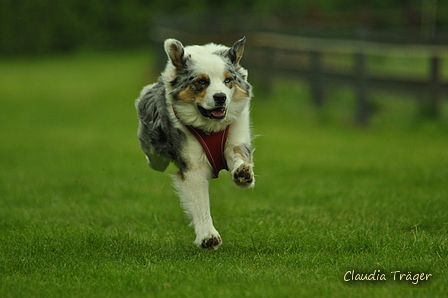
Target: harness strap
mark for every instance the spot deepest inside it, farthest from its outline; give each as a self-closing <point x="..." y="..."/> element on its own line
<point x="213" y="145"/>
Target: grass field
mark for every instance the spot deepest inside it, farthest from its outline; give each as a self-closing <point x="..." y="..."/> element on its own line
<point x="81" y="214"/>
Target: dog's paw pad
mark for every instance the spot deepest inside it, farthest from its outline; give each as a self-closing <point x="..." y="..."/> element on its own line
<point x="211" y="243"/>
<point x="243" y="176"/>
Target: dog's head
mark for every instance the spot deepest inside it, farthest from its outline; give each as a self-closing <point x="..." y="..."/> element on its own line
<point x="206" y="84"/>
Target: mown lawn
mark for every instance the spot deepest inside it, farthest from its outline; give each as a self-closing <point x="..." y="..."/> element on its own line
<point x="81" y="214"/>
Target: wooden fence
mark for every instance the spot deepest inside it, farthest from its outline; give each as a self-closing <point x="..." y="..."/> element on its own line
<point x="279" y="54"/>
<point x="273" y="55"/>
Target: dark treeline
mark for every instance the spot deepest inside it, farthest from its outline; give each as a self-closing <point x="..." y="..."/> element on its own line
<point x="45" y="26"/>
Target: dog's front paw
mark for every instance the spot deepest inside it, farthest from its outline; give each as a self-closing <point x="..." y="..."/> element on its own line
<point x="211" y="242"/>
<point x="243" y="176"/>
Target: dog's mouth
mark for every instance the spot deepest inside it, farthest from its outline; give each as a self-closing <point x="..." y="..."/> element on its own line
<point x="216" y="114"/>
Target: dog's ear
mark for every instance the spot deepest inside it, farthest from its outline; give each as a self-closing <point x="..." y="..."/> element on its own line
<point x="175" y="51"/>
<point x="235" y="53"/>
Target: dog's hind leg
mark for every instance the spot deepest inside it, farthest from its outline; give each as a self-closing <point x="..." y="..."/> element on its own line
<point x="192" y="187"/>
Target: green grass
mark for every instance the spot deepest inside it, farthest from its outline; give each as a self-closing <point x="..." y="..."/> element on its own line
<point x="81" y="214"/>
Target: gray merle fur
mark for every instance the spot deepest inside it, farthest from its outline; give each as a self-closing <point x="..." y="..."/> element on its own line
<point x="181" y="81"/>
<point x="156" y="129"/>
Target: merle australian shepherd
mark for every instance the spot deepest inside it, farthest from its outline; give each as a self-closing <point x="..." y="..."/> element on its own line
<point x="197" y="116"/>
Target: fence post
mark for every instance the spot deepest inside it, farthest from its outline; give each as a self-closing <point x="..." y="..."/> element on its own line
<point x="434" y="85"/>
<point x="317" y="88"/>
<point x="361" y="89"/>
<point x="266" y="69"/>
<point x="160" y="57"/>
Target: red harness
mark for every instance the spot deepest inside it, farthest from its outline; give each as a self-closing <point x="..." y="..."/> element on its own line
<point x="213" y="145"/>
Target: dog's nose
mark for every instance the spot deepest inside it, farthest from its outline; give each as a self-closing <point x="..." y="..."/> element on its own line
<point x="220" y="99"/>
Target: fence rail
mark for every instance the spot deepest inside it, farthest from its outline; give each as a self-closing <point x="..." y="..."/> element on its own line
<point x="274" y="55"/>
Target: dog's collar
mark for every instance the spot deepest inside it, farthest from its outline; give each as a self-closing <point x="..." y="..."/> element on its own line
<point x="213" y="144"/>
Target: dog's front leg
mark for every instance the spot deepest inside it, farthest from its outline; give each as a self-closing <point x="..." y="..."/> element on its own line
<point x="192" y="187"/>
<point x="242" y="172"/>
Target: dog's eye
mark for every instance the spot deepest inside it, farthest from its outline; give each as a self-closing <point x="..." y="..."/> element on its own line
<point x="228" y="80"/>
<point x="201" y="82"/>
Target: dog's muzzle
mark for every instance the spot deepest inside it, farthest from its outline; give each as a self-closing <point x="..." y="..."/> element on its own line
<point x="220" y="99"/>
<point x="218" y="113"/>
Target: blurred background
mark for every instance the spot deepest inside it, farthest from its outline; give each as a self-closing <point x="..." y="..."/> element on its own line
<point x="33" y="27"/>
<point x="366" y="48"/>
<point x="350" y="106"/>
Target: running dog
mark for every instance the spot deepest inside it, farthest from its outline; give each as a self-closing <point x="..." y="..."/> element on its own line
<point x="197" y="116"/>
